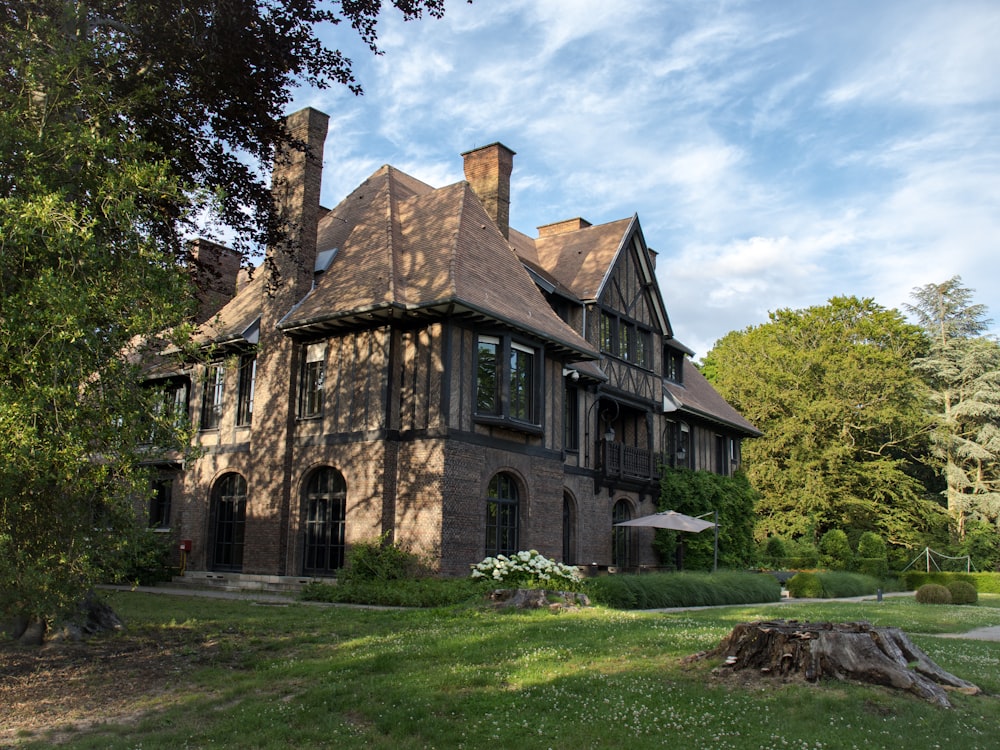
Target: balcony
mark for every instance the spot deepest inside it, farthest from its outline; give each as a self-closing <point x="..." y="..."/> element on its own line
<point x="620" y="461"/>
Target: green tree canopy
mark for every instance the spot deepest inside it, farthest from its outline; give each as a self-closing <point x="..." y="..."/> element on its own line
<point x="832" y="389"/>
<point x="119" y="122"/>
<point x="962" y="371"/>
<point x="204" y="82"/>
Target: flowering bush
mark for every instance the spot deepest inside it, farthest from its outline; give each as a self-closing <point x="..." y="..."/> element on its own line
<point x="527" y="570"/>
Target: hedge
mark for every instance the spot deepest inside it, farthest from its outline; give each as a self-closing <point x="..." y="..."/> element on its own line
<point x="832" y="585"/>
<point x="656" y="590"/>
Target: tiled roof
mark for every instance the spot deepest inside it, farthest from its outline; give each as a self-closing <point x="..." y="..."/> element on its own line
<point x="580" y="259"/>
<point x="406" y="248"/>
<point x="698" y="397"/>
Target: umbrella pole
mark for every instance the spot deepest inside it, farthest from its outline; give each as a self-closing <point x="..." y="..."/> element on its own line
<point x="715" y="559"/>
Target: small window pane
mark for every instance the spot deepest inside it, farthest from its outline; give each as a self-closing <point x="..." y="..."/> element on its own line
<point x="248" y="376"/>
<point x="211" y="401"/>
<point x="488" y="376"/>
<point x="522" y="363"/>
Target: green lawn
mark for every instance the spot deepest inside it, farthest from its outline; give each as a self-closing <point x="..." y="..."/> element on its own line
<point x="307" y="676"/>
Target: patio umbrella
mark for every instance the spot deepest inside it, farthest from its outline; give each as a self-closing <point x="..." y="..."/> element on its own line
<point x="670" y="519"/>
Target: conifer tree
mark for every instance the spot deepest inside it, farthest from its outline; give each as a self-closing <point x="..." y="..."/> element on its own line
<point x="962" y="372"/>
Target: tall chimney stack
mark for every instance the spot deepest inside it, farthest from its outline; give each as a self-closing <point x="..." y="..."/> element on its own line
<point x="295" y="185"/>
<point x="487" y="170"/>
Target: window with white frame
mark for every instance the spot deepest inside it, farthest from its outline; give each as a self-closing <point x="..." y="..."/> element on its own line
<point x="211" y="396"/>
<point x="311" y="381"/>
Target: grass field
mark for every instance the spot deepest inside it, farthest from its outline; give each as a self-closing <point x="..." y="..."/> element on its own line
<point x="196" y="673"/>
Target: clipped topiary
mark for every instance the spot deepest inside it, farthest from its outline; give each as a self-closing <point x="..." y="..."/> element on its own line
<point x="962" y="592"/>
<point x="805" y="586"/>
<point x="836" y="550"/>
<point x="933" y="593"/>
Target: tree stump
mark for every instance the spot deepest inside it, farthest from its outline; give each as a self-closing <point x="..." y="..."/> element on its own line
<point x="537" y="598"/>
<point x="854" y="651"/>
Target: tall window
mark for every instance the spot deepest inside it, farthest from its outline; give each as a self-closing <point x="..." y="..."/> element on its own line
<point x="507" y="379"/>
<point x="159" y="504"/>
<point x="621" y="536"/>
<point x="211" y="396"/>
<point x="522" y="383"/>
<point x="323" y="515"/>
<point x="311" y="381"/>
<point x="248" y="376"/>
<point x="169" y="405"/>
<point x="501" y="516"/>
<point x="488" y="376"/>
<point x="228" y="519"/>
<point x="569" y="530"/>
<point x="571" y="418"/>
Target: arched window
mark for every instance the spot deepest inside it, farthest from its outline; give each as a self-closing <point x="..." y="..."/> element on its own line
<point x="228" y="520"/>
<point x="501" y="516"/>
<point x="621" y="536"/>
<point x="569" y="530"/>
<point x="324" y="507"/>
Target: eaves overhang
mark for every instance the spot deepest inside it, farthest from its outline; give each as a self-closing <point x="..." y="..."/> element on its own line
<point x="385" y="312"/>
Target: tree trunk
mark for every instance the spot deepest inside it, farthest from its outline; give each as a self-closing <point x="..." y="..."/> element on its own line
<point x="854" y="651"/>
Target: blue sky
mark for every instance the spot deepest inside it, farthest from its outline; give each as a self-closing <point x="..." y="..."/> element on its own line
<point x="777" y="153"/>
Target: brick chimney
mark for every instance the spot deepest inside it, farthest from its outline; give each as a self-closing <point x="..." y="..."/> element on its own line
<point x="487" y="170"/>
<point x="295" y="185"/>
<point x="214" y="270"/>
<point x="561" y="227"/>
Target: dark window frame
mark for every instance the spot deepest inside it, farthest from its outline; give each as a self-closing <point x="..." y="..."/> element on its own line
<point x="508" y="382"/>
<point x="622" y="552"/>
<point x="626" y="339"/>
<point x="213" y="395"/>
<point x="571" y="417"/>
<point x="324" y="522"/>
<point x="246" y="385"/>
<point x="228" y="521"/>
<point x="160" y="502"/>
<point x="673" y="365"/>
<point x="312" y="375"/>
<point x="502" y="515"/>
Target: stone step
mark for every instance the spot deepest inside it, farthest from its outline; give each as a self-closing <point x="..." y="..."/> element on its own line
<point x="196" y="579"/>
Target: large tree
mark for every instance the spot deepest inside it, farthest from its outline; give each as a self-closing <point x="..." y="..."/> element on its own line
<point x="832" y="390"/>
<point x="962" y="371"/>
<point x="121" y="123"/>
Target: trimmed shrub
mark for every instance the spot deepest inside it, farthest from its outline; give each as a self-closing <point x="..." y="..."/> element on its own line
<point x="424" y="592"/>
<point x="774" y="549"/>
<point x="877" y="567"/>
<point x="914" y="579"/>
<point x="805" y="586"/>
<point x="836" y="550"/>
<point x="831" y="585"/>
<point x="871" y="546"/>
<point x="656" y="590"/>
<point x="962" y="592"/>
<point x="933" y="593"/>
<point x="380" y="560"/>
<point x="986" y="583"/>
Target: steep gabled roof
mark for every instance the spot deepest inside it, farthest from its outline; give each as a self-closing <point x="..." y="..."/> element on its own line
<point x="403" y="248"/>
<point x="581" y="259"/>
<point x="698" y="398"/>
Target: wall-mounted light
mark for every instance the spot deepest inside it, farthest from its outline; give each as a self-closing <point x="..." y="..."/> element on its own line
<point x="609" y="436"/>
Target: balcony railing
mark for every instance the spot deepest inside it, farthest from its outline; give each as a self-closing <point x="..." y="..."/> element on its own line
<point x="622" y="461"/>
